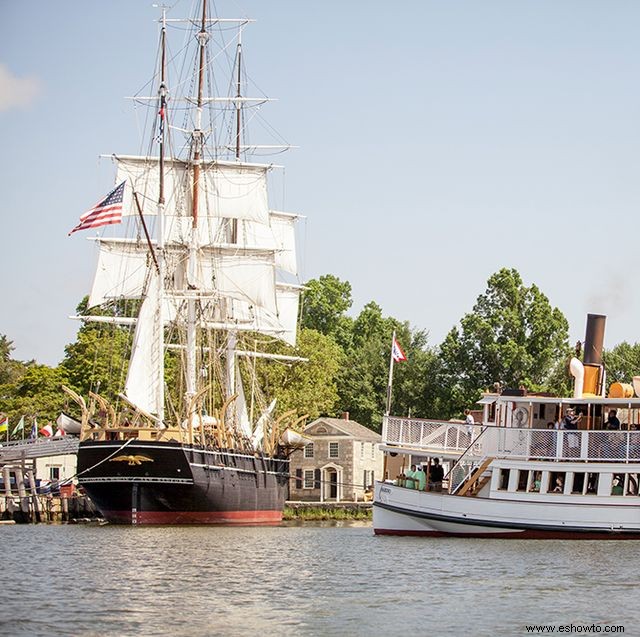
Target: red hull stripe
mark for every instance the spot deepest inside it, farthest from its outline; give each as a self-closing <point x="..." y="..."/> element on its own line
<point x="520" y="535"/>
<point x="195" y="517"/>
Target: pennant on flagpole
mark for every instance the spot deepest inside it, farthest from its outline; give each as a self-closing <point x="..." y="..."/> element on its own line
<point x="396" y="352"/>
<point x="19" y="427"/>
<point x="47" y="430"/>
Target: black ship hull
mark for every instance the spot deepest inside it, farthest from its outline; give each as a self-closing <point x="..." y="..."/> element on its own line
<point x="140" y="482"/>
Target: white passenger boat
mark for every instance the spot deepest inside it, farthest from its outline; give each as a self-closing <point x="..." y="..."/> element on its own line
<point x="512" y="476"/>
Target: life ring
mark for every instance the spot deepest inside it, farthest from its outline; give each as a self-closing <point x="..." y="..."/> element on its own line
<point x="521" y="416"/>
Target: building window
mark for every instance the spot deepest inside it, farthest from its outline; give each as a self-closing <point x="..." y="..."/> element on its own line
<point x="362" y="451"/>
<point x="308" y="479"/>
<point x="308" y="450"/>
<point x="54" y="473"/>
<point x="373" y="451"/>
<point x="333" y="450"/>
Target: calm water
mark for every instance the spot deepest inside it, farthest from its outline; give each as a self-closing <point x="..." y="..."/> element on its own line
<point x="304" y="580"/>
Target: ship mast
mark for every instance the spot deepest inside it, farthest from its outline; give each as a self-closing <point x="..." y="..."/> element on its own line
<point x="162" y="94"/>
<point x="197" y="137"/>
<point x="239" y="94"/>
<point x="232" y="341"/>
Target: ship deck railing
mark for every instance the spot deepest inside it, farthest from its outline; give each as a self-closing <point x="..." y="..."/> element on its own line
<point x="433" y="437"/>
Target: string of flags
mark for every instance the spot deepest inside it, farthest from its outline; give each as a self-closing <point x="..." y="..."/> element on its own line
<point x="47" y="430"/>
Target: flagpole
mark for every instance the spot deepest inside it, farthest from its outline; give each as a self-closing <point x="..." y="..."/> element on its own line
<point x="390" y="383"/>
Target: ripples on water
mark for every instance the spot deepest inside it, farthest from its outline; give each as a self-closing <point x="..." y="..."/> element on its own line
<point x="304" y="580"/>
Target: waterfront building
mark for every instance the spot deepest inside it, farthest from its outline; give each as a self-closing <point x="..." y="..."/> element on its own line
<point x="339" y="463"/>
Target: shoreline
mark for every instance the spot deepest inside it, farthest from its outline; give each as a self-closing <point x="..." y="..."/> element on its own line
<point x="319" y="511"/>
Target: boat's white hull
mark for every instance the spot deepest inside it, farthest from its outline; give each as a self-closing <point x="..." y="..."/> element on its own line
<point x="400" y="511"/>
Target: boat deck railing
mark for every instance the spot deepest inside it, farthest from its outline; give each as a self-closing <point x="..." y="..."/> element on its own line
<point x="511" y="442"/>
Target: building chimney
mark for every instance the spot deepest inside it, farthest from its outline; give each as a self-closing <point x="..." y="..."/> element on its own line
<point x="345" y="415"/>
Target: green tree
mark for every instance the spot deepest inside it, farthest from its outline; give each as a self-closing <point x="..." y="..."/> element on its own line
<point x="308" y="387"/>
<point x="622" y="362"/>
<point x="513" y="336"/>
<point x="10" y="369"/>
<point x="363" y="381"/>
<point x="38" y="394"/>
<point x="98" y="359"/>
<point x="418" y="388"/>
<point x="324" y="304"/>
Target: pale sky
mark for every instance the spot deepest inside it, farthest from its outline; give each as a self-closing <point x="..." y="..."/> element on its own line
<point x="439" y="140"/>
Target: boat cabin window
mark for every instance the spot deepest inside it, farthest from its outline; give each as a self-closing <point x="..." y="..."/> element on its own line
<point x="523" y="480"/>
<point x="556" y="482"/>
<point x="578" y="483"/>
<point x="592" y="483"/>
<point x="504" y="479"/>
<point x="617" y="484"/>
<point x="631" y="487"/>
<point x="536" y="481"/>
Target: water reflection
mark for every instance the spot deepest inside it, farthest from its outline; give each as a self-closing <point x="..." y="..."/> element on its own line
<point x="303" y="579"/>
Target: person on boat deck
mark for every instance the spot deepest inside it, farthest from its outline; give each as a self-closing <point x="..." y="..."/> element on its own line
<point x="559" y="488"/>
<point x="612" y="420"/>
<point x="437" y="475"/>
<point x="469" y="421"/>
<point x="617" y="487"/>
<point x="536" y="482"/>
<point x="570" y="420"/>
<point x="409" y="477"/>
<point x="421" y="474"/>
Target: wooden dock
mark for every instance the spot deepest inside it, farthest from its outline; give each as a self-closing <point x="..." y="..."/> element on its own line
<point x="24" y="500"/>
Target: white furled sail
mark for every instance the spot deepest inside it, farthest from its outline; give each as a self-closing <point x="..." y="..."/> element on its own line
<point x="258" y="432"/>
<point x="279" y="235"/>
<point x="143" y="384"/>
<point x="244" y="277"/>
<point x="210" y="230"/>
<point x="282" y="324"/>
<point x="230" y="190"/>
<point x="244" y="424"/>
<point x="120" y="273"/>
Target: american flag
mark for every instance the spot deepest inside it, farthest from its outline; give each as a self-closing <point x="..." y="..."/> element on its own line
<point x="105" y="212"/>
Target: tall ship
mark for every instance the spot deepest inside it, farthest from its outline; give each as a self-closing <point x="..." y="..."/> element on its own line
<point x="533" y="466"/>
<point x="203" y="271"/>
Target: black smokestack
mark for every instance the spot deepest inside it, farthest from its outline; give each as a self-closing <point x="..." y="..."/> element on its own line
<point x="594" y="339"/>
